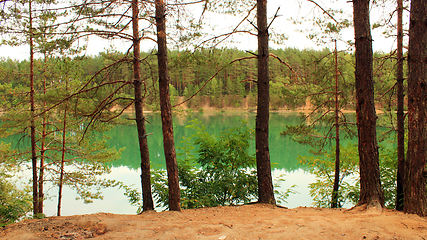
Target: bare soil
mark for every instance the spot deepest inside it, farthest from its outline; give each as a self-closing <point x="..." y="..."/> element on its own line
<point x="255" y="221"/>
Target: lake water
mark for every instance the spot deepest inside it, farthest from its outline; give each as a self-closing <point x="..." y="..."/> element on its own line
<point x="283" y="154"/>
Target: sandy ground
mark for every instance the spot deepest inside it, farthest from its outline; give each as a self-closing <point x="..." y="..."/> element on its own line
<point x="255" y="221"/>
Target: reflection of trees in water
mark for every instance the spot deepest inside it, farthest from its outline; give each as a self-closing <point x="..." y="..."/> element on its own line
<point x="283" y="151"/>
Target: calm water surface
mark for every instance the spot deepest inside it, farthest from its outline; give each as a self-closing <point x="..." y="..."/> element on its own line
<point x="283" y="153"/>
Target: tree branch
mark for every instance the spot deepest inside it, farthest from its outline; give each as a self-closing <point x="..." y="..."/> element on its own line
<point x="227" y="35"/>
<point x="275" y="16"/>
<point x="324" y="11"/>
<point x="217" y="72"/>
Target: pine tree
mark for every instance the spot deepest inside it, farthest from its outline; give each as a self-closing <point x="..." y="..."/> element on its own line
<point x="371" y="193"/>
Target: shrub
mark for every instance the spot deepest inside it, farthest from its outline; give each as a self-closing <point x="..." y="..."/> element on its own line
<point x="349" y="190"/>
<point x="14" y="203"/>
<point x="221" y="173"/>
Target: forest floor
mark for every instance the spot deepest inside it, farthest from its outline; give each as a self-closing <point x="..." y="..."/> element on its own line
<point x="256" y="221"/>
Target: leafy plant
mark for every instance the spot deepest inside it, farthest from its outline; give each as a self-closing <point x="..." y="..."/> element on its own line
<point x="220" y="175"/>
<point x="349" y="191"/>
<point x="213" y="171"/>
<point x="15" y="203"/>
<point x="134" y="197"/>
<point x="281" y="197"/>
<point x="323" y="167"/>
<point x="388" y="170"/>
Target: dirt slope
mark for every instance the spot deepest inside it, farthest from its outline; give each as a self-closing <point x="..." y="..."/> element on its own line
<point x="240" y="222"/>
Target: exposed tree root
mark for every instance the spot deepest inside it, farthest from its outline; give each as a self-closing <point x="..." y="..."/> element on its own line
<point x="373" y="206"/>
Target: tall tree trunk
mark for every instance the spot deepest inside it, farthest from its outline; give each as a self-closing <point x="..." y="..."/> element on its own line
<point x="61" y="175"/>
<point x="400" y="183"/>
<point x="33" y="124"/>
<point x="370" y="184"/>
<point x="334" y="199"/>
<point x="139" y="115"/>
<point x="165" y="109"/>
<point x="415" y="200"/>
<point x="42" y="146"/>
<point x="42" y="167"/>
<point x="265" y="183"/>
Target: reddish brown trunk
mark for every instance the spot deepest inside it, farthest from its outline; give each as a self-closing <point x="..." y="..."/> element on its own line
<point x="370" y="184"/>
<point x="139" y="115"/>
<point x="43" y="146"/>
<point x="165" y="109"/>
<point x="265" y="184"/>
<point x="42" y="157"/>
<point x="400" y="183"/>
<point x="61" y="175"/>
<point x="33" y="127"/>
<point x="334" y="199"/>
<point x="415" y="200"/>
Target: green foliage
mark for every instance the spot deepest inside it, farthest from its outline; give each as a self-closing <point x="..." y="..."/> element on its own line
<point x="230" y="151"/>
<point x="172" y="94"/>
<point x="214" y="171"/>
<point x="324" y="169"/>
<point x="134" y="197"/>
<point x="327" y="23"/>
<point x="388" y="171"/>
<point x="229" y="6"/>
<point x="86" y="151"/>
<point x="317" y="130"/>
<point x="283" y="94"/>
<point x="15" y="202"/>
<point x="220" y="174"/>
<point x="281" y="197"/>
<point x="85" y="166"/>
<point x="311" y="75"/>
<point x="216" y="187"/>
<point x="349" y="191"/>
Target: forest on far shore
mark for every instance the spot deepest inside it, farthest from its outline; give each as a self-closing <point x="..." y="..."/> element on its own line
<point x="222" y="78"/>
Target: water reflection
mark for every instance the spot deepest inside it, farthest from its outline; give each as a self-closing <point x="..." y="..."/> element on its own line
<point x="116" y="202"/>
<point x="283" y="153"/>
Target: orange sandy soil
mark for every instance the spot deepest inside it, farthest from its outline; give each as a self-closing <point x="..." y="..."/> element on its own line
<point x="255" y="221"/>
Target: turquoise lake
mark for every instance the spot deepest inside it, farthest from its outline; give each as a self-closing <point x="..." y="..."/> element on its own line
<point x="284" y="155"/>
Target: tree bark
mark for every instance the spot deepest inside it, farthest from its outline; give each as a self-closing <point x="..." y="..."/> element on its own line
<point x="334" y="199"/>
<point x="147" y="197"/>
<point x="32" y="121"/>
<point x="370" y="184"/>
<point x="415" y="200"/>
<point x="61" y="175"/>
<point x="265" y="184"/>
<point x="42" y="146"/>
<point x="400" y="178"/>
<point x="165" y="109"/>
<point x="42" y="167"/>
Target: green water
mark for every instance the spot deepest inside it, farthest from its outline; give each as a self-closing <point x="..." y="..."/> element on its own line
<point x="283" y="151"/>
<point x="283" y="154"/>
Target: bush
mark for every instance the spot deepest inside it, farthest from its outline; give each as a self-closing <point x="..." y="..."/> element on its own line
<point x="14" y="203"/>
<point x="221" y="173"/>
<point x="349" y="190"/>
<point x="324" y="168"/>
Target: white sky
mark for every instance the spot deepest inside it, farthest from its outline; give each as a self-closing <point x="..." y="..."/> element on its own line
<point x="288" y="9"/>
